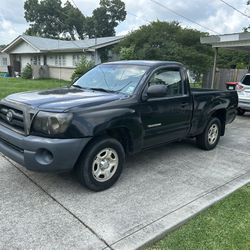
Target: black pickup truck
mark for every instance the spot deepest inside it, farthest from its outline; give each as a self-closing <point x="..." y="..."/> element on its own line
<point x="114" y="109"/>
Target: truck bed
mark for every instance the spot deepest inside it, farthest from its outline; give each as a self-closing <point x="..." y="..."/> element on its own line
<point x="206" y="101"/>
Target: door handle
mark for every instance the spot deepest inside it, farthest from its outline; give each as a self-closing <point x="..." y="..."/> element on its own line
<point x="184" y="104"/>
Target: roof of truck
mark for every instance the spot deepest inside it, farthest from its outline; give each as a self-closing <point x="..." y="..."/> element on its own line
<point x="146" y="62"/>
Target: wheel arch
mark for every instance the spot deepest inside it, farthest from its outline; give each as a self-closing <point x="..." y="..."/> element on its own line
<point x="221" y="115"/>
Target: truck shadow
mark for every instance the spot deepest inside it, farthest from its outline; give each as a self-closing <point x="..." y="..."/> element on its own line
<point x="150" y="158"/>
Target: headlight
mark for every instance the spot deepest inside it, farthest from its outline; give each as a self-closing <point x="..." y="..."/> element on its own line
<point x="51" y="123"/>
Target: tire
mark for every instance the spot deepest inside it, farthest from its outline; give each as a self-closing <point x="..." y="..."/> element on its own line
<point x="101" y="164"/>
<point x="210" y="136"/>
<point x="240" y="111"/>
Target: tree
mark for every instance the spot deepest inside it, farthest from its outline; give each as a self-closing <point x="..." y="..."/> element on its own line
<point x="168" y="41"/>
<point x="82" y="67"/>
<point x="73" y="21"/>
<point x="231" y="58"/>
<point x="127" y="53"/>
<point x="48" y="18"/>
<point x="27" y="72"/>
<point x="45" y="18"/>
<point x="106" y="18"/>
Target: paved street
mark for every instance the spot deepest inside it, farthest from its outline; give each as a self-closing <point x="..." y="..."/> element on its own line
<point x="159" y="189"/>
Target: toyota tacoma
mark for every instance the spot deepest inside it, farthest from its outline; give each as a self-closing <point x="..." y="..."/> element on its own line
<point x="113" y="110"/>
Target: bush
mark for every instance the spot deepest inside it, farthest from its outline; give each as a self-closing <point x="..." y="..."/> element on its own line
<point x="27" y="72"/>
<point x="127" y="53"/>
<point x="82" y="67"/>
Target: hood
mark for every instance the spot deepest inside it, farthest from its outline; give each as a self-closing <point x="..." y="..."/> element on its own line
<point x="63" y="98"/>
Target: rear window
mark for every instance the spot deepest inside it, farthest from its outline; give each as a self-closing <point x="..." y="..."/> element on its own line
<point x="246" y="80"/>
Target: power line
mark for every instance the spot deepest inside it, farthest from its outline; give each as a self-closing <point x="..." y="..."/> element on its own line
<point x="73" y="41"/>
<point x="178" y="14"/>
<point x="75" y="5"/>
<point x="231" y="6"/>
<point x="141" y="18"/>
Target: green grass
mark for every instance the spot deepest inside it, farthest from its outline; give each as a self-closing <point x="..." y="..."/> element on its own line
<point x="196" y="85"/>
<point x="226" y="225"/>
<point x="14" y="85"/>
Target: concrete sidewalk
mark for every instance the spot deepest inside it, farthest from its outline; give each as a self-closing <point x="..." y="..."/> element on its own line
<point x="158" y="190"/>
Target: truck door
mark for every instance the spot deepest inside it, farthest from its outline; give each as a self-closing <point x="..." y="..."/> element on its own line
<point x="167" y="118"/>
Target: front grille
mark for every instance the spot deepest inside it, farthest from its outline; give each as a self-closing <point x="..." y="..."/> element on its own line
<point x="12" y="117"/>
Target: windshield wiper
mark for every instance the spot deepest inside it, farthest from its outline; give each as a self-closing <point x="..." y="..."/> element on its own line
<point x="77" y="86"/>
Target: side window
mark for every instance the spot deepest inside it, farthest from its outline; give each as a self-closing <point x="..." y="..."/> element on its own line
<point x="169" y="77"/>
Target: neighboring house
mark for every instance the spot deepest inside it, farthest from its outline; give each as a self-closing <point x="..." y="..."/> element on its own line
<point x="4" y="61"/>
<point x="57" y="57"/>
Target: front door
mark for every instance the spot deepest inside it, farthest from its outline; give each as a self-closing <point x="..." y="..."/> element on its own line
<point x="167" y="118"/>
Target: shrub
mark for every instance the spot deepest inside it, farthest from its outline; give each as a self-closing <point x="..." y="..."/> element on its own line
<point x="82" y="67"/>
<point x="27" y="72"/>
<point x="127" y="53"/>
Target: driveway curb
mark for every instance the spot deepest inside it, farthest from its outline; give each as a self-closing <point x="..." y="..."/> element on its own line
<point x="159" y="228"/>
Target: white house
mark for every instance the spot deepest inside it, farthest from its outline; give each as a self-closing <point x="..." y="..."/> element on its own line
<point x="4" y="61"/>
<point x="57" y="57"/>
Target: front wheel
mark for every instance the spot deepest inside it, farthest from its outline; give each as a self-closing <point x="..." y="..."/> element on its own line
<point x="101" y="164"/>
<point x="211" y="135"/>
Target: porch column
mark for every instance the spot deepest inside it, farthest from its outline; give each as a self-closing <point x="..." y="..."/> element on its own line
<point x="214" y="67"/>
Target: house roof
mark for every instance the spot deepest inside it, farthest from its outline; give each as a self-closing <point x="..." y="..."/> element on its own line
<point x="41" y="44"/>
<point x="237" y="41"/>
<point x="1" y="47"/>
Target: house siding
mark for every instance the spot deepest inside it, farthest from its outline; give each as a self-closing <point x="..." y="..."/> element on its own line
<point x="60" y="63"/>
<point x="23" y="48"/>
<point x="60" y="73"/>
<point x="25" y="59"/>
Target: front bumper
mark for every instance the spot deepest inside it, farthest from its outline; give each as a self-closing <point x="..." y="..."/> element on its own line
<point x="41" y="154"/>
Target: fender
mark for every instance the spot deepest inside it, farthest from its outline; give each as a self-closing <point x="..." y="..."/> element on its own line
<point x="96" y="123"/>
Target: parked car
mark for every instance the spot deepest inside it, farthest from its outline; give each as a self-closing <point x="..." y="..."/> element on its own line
<point x="243" y="90"/>
<point x="113" y="110"/>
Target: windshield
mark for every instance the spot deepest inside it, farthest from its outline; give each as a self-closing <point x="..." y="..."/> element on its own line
<point x="113" y="77"/>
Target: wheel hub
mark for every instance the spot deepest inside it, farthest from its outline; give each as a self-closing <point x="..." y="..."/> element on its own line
<point x="105" y="164"/>
<point x="213" y="133"/>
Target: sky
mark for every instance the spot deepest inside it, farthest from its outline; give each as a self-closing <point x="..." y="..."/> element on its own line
<point x="213" y="15"/>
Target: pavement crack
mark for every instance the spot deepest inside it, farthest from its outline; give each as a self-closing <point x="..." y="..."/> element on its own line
<point x="60" y="204"/>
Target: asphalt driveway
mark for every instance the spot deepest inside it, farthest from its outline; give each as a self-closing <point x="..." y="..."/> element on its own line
<point x="159" y="189"/>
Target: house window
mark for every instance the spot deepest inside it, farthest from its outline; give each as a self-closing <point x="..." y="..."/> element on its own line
<point x="35" y="60"/>
<point x="60" y="60"/>
<point x="76" y="59"/>
<point x="4" y="61"/>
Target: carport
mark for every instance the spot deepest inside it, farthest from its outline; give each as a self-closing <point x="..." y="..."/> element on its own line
<point x="236" y="41"/>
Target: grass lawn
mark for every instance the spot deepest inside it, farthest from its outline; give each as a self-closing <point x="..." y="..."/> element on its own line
<point x="226" y="225"/>
<point x="13" y="85"/>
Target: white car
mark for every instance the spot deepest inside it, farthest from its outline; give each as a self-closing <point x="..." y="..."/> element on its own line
<point x="243" y="90"/>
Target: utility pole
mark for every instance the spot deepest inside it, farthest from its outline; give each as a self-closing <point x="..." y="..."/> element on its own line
<point x="96" y="55"/>
<point x="214" y="67"/>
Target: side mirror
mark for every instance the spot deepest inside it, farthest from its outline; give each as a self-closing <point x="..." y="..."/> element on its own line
<point x="158" y="90"/>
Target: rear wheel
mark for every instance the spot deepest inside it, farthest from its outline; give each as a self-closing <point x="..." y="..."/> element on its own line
<point x="240" y="111"/>
<point x="101" y="164"/>
<point x="211" y="135"/>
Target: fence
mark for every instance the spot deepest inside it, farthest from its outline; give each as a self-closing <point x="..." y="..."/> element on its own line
<point x="222" y="76"/>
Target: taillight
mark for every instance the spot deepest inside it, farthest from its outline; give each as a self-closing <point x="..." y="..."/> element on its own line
<point x="240" y="87"/>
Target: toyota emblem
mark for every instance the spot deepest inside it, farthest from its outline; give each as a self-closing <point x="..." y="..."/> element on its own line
<point x="9" y="116"/>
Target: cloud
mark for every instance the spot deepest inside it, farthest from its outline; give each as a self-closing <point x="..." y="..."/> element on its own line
<point x="7" y="30"/>
<point x="214" y="15"/>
